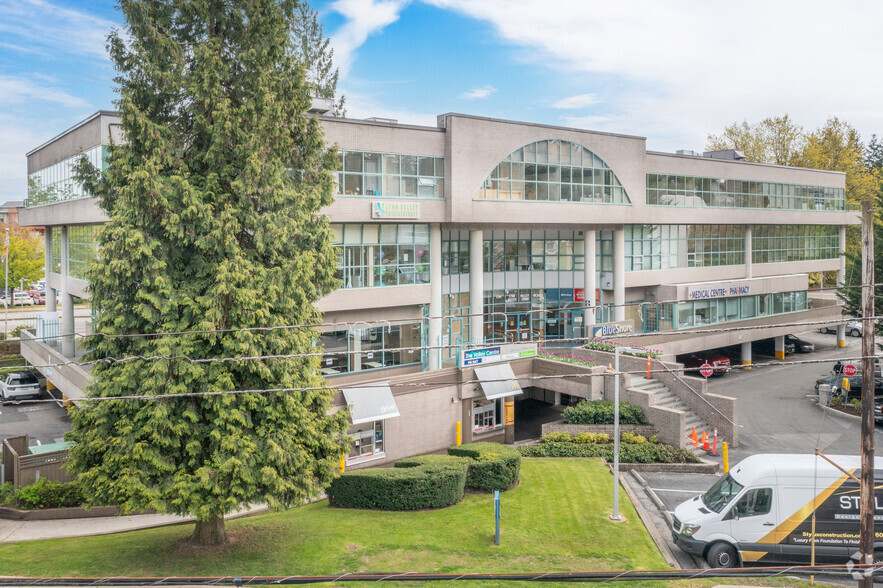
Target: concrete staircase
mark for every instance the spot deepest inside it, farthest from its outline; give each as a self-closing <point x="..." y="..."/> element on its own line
<point x="665" y="398"/>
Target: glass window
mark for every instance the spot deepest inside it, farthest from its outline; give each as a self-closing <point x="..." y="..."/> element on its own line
<point x="390" y="175"/>
<point x="56" y="183"/>
<point x="367" y="441"/>
<point x="541" y="179"/>
<point x="486" y="416"/>
<point x="757" y="501"/>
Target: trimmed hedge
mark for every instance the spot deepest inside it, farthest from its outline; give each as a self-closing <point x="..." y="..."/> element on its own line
<point x="418" y="483"/>
<point x="492" y="466"/>
<point x="600" y="412"/>
<point x="641" y="453"/>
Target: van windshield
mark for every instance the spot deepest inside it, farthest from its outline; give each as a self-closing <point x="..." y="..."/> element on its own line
<point x="720" y="495"/>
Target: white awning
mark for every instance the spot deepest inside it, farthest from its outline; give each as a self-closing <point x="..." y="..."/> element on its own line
<point x="498" y="381"/>
<point x="372" y="403"/>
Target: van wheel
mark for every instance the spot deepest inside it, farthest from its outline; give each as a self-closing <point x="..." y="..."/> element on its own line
<point x="722" y="555"/>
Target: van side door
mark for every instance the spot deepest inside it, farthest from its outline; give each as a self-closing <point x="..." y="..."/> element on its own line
<point x="752" y="518"/>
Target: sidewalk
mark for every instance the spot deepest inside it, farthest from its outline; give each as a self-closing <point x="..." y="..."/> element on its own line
<point x="15" y="531"/>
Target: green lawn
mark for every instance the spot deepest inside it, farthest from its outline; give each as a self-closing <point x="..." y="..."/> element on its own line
<point x="555" y="520"/>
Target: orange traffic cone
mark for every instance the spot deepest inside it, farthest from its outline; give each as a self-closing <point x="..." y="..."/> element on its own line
<point x="705" y="445"/>
<point x="609" y="367"/>
<point x="694" y="437"/>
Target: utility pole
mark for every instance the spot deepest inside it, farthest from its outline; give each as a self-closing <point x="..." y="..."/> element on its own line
<point x="866" y="503"/>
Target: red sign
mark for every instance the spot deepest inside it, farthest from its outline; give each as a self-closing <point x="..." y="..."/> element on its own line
<point x="849" y="370"/>
<point x="579" y="295"/>
<point x="706" y="370"/>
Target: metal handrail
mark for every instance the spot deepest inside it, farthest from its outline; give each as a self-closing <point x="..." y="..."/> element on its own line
<point x="705" y="400"/>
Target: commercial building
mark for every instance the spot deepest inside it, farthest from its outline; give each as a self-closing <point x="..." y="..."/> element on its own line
<point x="482" y="232"/>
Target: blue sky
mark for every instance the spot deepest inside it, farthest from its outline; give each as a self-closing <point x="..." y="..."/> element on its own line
<point x="672" y="71"/>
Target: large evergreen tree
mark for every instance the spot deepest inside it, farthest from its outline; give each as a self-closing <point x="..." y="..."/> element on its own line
<point x="313" y="50"/>
<point x="215" y="225"/>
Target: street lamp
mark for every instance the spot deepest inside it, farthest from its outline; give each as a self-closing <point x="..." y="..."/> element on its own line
<point x="615" y="516"/>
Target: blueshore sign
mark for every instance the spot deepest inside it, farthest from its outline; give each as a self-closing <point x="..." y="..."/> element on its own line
<point x="610" y="329"/>
<point x="495" y="354"/>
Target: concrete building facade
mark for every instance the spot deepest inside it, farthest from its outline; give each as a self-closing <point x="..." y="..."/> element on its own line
<point x="481" y="232"/>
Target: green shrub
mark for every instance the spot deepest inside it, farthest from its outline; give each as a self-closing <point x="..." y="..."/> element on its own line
<point x="493" y="466"/>
<point x="654" y="439"/>
<point x="600" y="412"/>
<point x="423" y="482"/>
<point x="557" y="436"/>
<point x="16" y="332"/>
<point x="6" y="493"/>
<point x="590" y="438"/>
<point x="856" y="404"/>
<point x="46" y="494"/>
<point x="644" y="453"/>
<point x="632" y="439"/>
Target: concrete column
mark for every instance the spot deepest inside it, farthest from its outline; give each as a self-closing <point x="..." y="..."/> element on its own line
<point x="51" y="295"/>
<point x="557" y="398"/>
<point x="749" y="258"/>
<point x="435" y="295"/>
<point x="66" y="325"/>
<point x="476" y="287"/>
<point x="619" y="274"/>
<point x="841" y="273"/>
<point x="355" y="363"/>
<point x="746" y="355"/>
<point x="841" y="335"/>
<point x="50" y="292"/>
<point x="589" y="284"/>
<point x="780" y="347"/>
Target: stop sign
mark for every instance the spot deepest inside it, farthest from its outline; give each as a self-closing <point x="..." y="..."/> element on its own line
<point x="849" y="370"/>
<point x="706" y="370"/>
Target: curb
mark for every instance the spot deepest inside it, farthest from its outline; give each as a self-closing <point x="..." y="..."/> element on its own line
<point x="854" y="417"/>
<point x="661" y="544"/>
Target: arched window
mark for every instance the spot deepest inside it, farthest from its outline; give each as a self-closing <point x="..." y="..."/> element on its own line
<point x="554" y="171"/>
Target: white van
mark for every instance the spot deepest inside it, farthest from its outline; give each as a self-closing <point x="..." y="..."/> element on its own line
<point x="762" y="511"/>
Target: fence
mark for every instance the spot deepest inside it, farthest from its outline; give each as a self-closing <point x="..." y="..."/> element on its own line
<point x="23" y="469"/>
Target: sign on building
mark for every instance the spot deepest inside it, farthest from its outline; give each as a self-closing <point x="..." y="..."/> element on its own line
<point x="388" y="209"/>
<point x="608" y="329"/>
<point x="495" y="354"/>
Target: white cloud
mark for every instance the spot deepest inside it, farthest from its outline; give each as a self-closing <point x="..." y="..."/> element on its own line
<point x="478" y="93"/>
<point x="40" y="24"/>
<point x="679" y="70"/>
<point x="364" y="18"/>
<point x="576" y="102"/>
<point x="17" y="90"/>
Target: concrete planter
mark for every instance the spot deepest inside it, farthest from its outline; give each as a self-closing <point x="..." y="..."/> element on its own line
<point x="53" y="514"/>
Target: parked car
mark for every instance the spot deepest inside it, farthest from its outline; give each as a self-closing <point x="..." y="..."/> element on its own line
<point x="20" y="298"/>
<point x="768" y="346"/>
<point x="853" y="329"/>
<point x="878" y="413"/>
<point x="800" y="345"/>
<point x="720" y="363"/>
<point x="19" y="386"/>
<point x="834" y="385"/>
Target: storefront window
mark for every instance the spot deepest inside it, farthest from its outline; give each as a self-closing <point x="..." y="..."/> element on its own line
<point x="390" y="175"/>
<point x="372" y="256"/>
<point x="367" y="441"/>
<point x="370" y="348"/>
<point x="487" y="415"/>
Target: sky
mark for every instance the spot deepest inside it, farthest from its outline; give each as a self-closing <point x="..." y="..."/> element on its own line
<point x="673" y="71"/>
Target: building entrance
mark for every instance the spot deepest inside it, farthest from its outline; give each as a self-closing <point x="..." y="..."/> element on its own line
<point x="518" y="327"/>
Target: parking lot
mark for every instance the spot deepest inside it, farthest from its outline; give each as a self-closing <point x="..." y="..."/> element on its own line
<point x="45" y="422"/>
<point x="777" y="414"/>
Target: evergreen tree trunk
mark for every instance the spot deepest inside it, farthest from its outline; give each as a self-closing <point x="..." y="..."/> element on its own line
<point x="209" y="532"/>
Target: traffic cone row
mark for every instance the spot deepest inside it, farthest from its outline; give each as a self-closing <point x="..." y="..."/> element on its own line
<point x="703" y="441"/>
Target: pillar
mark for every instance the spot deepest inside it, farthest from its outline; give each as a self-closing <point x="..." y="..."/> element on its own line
<point x="841" y="281"/>
<point x="557" y="398"/>
<point x="355" y="357"/>
<point x="841" y="335"/>
<point x="746" y="355"/>
<point x="66" y="325"/>
<point x="749" y="258"/>
<point x="509" y="420"/>
<point x="589" y="273"/>
<point x="476" y="287"/>
<point x="619" y="275"/>
<point x="780" y="347"/>
<point x="435" y="296"/>
<point x="51" y="293"/>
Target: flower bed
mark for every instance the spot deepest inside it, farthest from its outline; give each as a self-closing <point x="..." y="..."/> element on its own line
<point x="567" y="358"/>
<point x="633" y="449"/>
<point x="610" y="347"/>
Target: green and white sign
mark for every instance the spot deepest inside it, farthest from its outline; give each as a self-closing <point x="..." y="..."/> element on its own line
<point x="389" y="209"/>
<point x="496" y="354"/>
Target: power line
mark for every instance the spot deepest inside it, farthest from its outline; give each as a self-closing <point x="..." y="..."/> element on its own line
<point x="436" y="383"/>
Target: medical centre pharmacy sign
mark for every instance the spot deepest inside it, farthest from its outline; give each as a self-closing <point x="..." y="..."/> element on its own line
<point x="719" y="290"/>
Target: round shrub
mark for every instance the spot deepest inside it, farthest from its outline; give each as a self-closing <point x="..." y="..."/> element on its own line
<point x="493" y="466"/>
<point x="600" y="412"/>
<point x="46" y="494"/>
<point x="420" y="483"/>
<point x="557" y="436"/>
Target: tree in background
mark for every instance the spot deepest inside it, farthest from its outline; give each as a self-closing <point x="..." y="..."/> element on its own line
<point x="313" y="50"/>
<point x="215" y="227"/>
<point x="777" y="140"/>
<point x="26" y="257"/>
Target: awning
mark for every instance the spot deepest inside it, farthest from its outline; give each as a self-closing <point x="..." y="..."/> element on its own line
<point x="498" y="381"/>
<point x="373" y="403"/>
